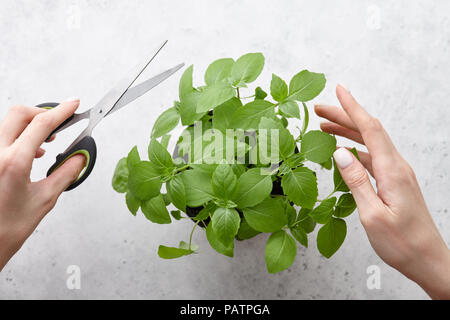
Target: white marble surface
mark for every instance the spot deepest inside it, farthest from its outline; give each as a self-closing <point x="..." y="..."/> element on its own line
<point x="393" y="55"/>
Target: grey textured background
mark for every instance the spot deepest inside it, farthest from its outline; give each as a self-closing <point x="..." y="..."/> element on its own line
<point x="393" y="55"/>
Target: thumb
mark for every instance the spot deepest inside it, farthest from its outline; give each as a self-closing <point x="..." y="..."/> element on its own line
<point x="63" y="177"/>
<point x="357" y="179"/>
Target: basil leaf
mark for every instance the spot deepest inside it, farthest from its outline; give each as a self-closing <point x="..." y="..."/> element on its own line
<point x="177" y="192"/>
<point x="290" y="109"/>
<point x="304" y="221"/>
<point x="331" y="236"/>
<point x="291" y="214"/>
<point x="188" y="99"/>
<point x="176" y="214"/>
<point x="260" y="93"/>
<point x="247" y="68"/>
<point x="217" y="245"/>
<point x="324" y="211"/>
<point x="278" y="88"/>
<point x="224" y="182"/>
<point x="305" y="85"/>
<point x="133" y="204"/>
<point x="280" y="252"/>
<point x="345" y="205"/>
<point x="198" y="187"/>
<point x="172" y="252"/>
<point x="249" y="116"/>
<point x="214" y="95"/>
<point x="223" y="114"/>
<point x="225" y="223"/>
<point x="219" y="71"/>
<point x="205" y="212"/>
<point x="165" y="140"/>
<point x="144" y="181"/>
<point x="245" y="231"/>
<point x="165" y="123"/>
<point x="133" y="157"/>
<point x="120" y="177"/>
<point x="300" y="235"/>
<point x="318" y="146"/>
<point x="160" y="157"/>
<point x="267" y="216"/>
<point x="155" y="210"/>
<point x="300" y="186"/>
<point x="253" y="188"/>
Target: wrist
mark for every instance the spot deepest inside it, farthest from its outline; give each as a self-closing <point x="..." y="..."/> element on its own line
<point x="433" y="273"/>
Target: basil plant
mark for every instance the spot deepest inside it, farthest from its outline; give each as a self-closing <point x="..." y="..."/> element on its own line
<point x="237" y="170"/>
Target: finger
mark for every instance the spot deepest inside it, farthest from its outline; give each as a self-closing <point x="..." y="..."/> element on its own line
<point x="336" y="115"/>
<point x="64" y="176"/>
<point x="357" y="180"/>
<point x="375" y="138"/>
<point x="16" y="120"/>
<point x="41" y="126"/>
<point x="39" y="153"/>
<point x="52" y="138"/>
<point x="333" y="128"/>
<point x="365" y="159"/>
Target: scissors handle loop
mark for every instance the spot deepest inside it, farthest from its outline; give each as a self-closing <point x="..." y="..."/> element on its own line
<point x="85" y="146"/>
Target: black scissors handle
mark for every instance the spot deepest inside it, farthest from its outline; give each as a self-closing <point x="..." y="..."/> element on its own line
<point x="85" y="146"/>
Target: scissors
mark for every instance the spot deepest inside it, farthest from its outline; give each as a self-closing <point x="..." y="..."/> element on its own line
<point x="119" y="96"/>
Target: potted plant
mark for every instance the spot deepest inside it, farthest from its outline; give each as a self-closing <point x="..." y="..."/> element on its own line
<point x="237" y="169"/>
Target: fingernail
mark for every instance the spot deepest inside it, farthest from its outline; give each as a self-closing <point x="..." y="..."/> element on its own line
<point x="344" y="87"/>
<point x="72" y="99"/>
<point x="343" y="158"/>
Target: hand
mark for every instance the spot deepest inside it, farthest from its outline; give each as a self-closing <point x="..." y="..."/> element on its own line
<point x="23" y="203"/>
<point x="396" y="219"/>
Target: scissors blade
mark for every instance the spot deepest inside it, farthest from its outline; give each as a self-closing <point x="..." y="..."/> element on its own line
<point x="102" y="108"/>
<point x="142" y="88"/>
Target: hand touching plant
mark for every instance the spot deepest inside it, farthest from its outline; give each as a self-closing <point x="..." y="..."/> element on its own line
<point x="396" y="218"/>
<point x="23" y="203"/>
<point x="233" y="188"/>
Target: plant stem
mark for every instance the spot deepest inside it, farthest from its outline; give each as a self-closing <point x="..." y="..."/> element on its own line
<point x="248" y="97"/>
<point x="238" y="95"/>
<point x="192" y="232"/>
<point x="182" y="168"/>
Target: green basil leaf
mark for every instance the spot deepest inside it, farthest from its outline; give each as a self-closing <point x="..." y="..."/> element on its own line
<point x="245" y="231"/>
<point x="281" y="250"/>
<point x="225" y="223"/>
<point x="165" y="140"/>
<point x="331" y="236"/>
<point x="144" y="181"/>
<point x="327" y="164"/>
<point x="133" y="157"/>
<point x="198" y="187"/>
<point x="188" y="99"/>
<point x="206" y="212"/>
<point x="219" y="71"/>
<point x="176" y="214"/>
<point x="267" y="216"/>
<point x="305" y="85"/>
<point x="177" y="192"/>
<point x="120" y="177"/>
<point x="133" y="204"/>
<point x="214" y="95"/>
<point x="324" y="211"/>
<point x="223" y="114"/>
<point x="318" y="146"/>
<point x="300" y="186"/>
<point x="155" y="210"/>
<point x="247" y="68"/>
<point x="172" y="252"/>
<point x="300" y="235"/>
<point x="290" y="109"/>
<point x="217" y="245"/>
<point x="345" y="206"/>
<point x="253" y="188"/>
<point x="160" y="157"/>
<point x="260" y="93"/>
<point x="291" y="214"/>
<point x="278" y="88"/>
<point x="304" y="221"/>
<point x="166" y="122"/>
<point x="224" y="182"/>
<point x="249" y="116"/>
